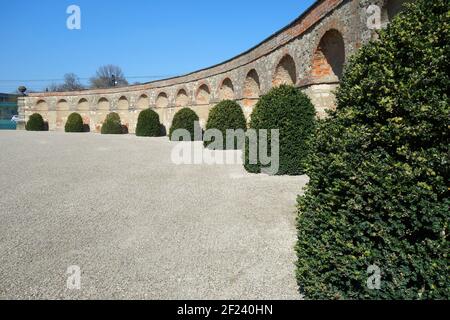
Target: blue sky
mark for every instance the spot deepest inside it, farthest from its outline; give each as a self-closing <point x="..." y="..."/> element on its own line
<point x="143" y="37"/>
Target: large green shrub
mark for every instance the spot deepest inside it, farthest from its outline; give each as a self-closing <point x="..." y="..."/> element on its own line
<point x="112" y="124"/>
<point x="35" y="123"/>
<point x="74" y="123"/>
<point x="148" y="124"/>
<point x="184" y="119"/>
<point x="378" y="194"/>
<point x="226" y="115"/>
<point x="290" y="111"/>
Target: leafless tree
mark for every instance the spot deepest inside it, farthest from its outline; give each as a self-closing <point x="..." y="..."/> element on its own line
<point x="71" y="83"/>
<point x="106" y="75"/>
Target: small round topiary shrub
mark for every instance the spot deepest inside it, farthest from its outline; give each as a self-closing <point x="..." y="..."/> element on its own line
<point x="290" y="111"/>
<point x="148" y="124"/>
<point x="374" y="222"/>
<point x="113" y="116"/>
<point x="35" y="123"/>
<point x="226" y="115"/>
<point x="184" y="119"/>
<point x="112" y="124"/>
<point x="74" y="123"/>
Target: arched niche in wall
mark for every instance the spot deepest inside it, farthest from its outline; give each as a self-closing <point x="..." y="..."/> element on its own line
<point x="252" y="88"/>
<point x="83" y="105"/>
<point x="62" y="109"/>
<point x="123" y="103"/>
<point x="103" y="108"/>
<point x="182" y="98"/>
<point x="226" y="90"/>
<point x="162" y="101"/>
<point x="103" y="104"/>
<point x="285" y="72"/>
<point x="329" y="58"/>
<point x="41" y="105"/>
<point x="203" y="95"/>
<point x="62" y="105"/>
<point x="143" y="102"/>
<point x="83" y="108"/>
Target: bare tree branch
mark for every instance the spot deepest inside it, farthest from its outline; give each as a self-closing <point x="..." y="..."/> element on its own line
<point x="104" y="77"/>
<point x="71" y="83"/>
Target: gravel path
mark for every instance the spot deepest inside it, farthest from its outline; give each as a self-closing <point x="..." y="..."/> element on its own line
<point x="139" y="226"/>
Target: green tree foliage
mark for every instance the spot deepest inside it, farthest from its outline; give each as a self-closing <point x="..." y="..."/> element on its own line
<point x="379" y="192"/>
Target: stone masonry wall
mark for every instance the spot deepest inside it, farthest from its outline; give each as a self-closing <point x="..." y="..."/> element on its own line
<point x="309" y="53"/>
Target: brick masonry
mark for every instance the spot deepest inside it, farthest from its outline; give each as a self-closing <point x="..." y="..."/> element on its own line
<point x="309" y="53"/>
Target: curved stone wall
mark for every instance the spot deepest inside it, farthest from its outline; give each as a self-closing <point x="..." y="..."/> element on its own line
<point x="309" y="53"/>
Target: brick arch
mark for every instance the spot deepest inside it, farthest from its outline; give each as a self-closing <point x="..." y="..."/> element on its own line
<point x="41" y="105"/>
<point x="182" y="98"/>
<point x="123" y="103"/>
<point x="62" y="110"/>
<point x="62" y="105"/>
<point x="83" y="105"/>
<point x="203" y="95"/>
<point x="83" y="108"/>
<point x="162" y="100"/>
<point x="143" y="102"/>
<point x="103" y="104"/>
<point x="285" y="72"/>
<point x="252" y="88"/>
<point x="226" y="90"/>
<point x="329" y="57"/>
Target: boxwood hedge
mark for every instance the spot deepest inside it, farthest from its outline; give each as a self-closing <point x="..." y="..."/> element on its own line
<point x="112" y="124"/>
<point x="290" y="111"/>
<point x="184" y="119"/>
<point x="74" y="123"/>
<point x="35" y="123"/>
<point x="378" y="198"/>
<point x="148" y="124"/>
<point x="226" y="115"/>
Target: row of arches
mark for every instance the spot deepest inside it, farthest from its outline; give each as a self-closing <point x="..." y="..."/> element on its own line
<point x="327" y="64"/>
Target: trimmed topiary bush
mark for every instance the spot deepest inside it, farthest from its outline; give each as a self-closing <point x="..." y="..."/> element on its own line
<point x="184" y="119"/>
<point x="290" y="111"/>
<point x="378" y="195"/>
<point x="112" y="124"/>
<point x="148" y="124"/>
<point x="74" y="123"/>
<point x="226" y="115"/>
<point x="35" y="123"/>
<point x="113" y="116"/>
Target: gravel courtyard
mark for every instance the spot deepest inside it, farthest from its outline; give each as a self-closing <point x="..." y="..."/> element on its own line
<point x="139" y="226"/>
